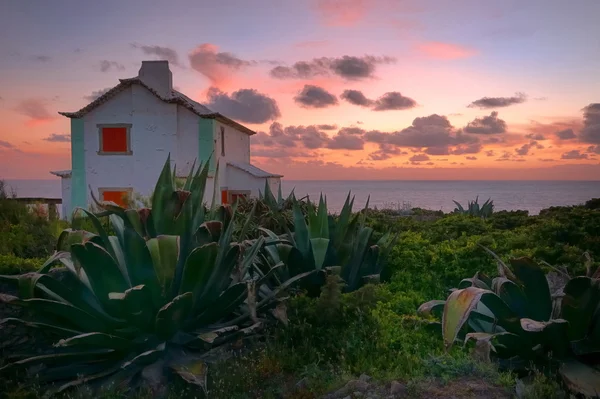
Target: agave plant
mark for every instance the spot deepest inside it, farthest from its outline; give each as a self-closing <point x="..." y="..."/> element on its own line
<point x="516" y="318"/>
<point x="147" y="303"/>
<point x="474" y="209"/>
<point x="324" y="244"/>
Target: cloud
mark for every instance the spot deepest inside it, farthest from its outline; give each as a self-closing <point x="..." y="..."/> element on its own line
<point x="386" y="151"/>
<point x="315" y="97"/>
<point x="356" y="97"/>
<point x="566" y="134"/>
<point x="42" y="58"/>
<point x="444" y="51"/>
<point x="486" y="125"/>
<point x="278" y="136"/>
<point x="415" y="159"/>
<point x="341" y="12"/>
<point x="473" y="148"/>
<point x="97" y="93"/>
<point x="35" y="110"/>
<point x="574" y="154"/>
<point x="6" y="144"/>
<point x="216" y="66"/>
<point x="546" y="160"/>
<point x="594" y="149"/>
<point x="490" y="153"/>
<point x="345" y="140"/>
<point x="347" y="67"/>
<point x="164" y="53"/>
<point x="591" y="124"/>
<point x="327" y="127"/>
<point x="442" y="150"/>
<point x="498" y="102"/>
<point x="535" y="136"/>
<point x="106" y="66"/>
<point x="524" y="149"/>
<point x="244" y="105"/>
<point x="471" y="158"/>
<point x="59" y="138"/>
<point x="393" y="101"/>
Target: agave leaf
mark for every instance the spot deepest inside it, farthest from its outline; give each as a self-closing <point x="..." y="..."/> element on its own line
<point x="301" y="236"/>
<point x="56" y="257"/>
<point x="171" y="317"/>
<point x="458" y="306"/>
<point x="513" y="295"/>
<point x="503" y="269"/>
<point x="43" y="326"/>
<point x="582" y="298"/>
<point x="473" y="282"/>
<point x="198" y="269"/>
<point x="190" y="369"/>
<point x="165" y="255"/>
<point x="96" y="340"/>
<point x="432" y="308"/>
<point x="140" y="267"/>
<point x="58" y="357"/>
<point x="134" y="302"/>
<point x="580" y="378"/>
<point x="319" y="250"/>
<point x="535" y="287"/>
<point x="224" y="305"/>
<point x="102" y="270"/>
<point x="162" y="196"/>
<point x="351" y="270"/>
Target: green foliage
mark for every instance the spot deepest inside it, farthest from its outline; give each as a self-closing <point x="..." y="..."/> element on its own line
<point x="10" y="264"/>
<point x="25" y="232"/>
<point x="150" y="301"/>
<point x="515" y="318"/>
<point x="474" y="209"/>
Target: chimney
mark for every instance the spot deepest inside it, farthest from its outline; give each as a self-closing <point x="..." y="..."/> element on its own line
<point x="157" y="75"/>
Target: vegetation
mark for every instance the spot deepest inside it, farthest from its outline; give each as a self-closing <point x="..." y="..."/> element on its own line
<point x="275" y="297"/>
<point x="473" y="208"/>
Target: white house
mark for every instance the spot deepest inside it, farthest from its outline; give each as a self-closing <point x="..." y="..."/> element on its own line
<point x="120" y="141"/>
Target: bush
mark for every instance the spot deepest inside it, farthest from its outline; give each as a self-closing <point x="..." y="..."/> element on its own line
<point x="10" y="264"/>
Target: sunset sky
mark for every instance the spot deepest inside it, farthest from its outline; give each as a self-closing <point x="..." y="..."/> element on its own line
<point x="337" y="89"/>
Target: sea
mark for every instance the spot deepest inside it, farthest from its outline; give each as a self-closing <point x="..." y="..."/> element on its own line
<point x="532" y="196"/>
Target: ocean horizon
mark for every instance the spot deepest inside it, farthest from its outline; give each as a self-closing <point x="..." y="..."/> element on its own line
<point x="529" y="195"/>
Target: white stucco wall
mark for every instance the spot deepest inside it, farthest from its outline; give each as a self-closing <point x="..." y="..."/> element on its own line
<point x="153" y="137"/>
<point x="187" y="140"/>
<point x="239" y="180"/>
<point x="237" y="148"/>
<point x="65" y="188"/>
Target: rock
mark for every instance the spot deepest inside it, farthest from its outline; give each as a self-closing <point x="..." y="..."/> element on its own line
<point x="352" y="386"/>
<point x="358" y="394"/>
<point x="364" y="377"/>
<point x="397" y="388"/>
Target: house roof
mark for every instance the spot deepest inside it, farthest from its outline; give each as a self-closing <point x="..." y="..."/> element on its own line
<point x="61" y="173"/>
<point x="251" y="169"/>
<point x="175" y="97"/>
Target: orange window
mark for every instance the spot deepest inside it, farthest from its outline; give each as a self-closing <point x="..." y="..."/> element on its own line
<point x="224" y="195"/>
<point x="114" y="139"/>
<point x="235" y="197"/>
<point x="118" y="197"/>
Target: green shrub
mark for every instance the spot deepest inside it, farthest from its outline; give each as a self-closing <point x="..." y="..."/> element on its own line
<point x="10" y="265"/>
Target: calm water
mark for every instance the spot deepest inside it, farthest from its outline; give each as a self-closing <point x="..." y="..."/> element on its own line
<point x="438" y="195"/>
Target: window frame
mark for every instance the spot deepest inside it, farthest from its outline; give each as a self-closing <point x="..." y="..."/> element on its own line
<point x="102" y="190"/>
<point x="127" y="127"/>
<point x="231" y="193"/>
<point x="222" y="141"/>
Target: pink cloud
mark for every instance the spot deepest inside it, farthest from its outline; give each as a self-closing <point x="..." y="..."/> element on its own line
<point x="216" y="65"/>
<point x="341" y="12"/>
<point x="444" y="51"/>
<point x="35" y="110"/>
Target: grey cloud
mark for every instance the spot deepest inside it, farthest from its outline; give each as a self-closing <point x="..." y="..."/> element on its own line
<point x="346" y="141"/>
<point x="535" y="136"/>
<point x="524" y="149"/>
<point x="42" y="58"/>
<point x="386" y="151"/>
<point x="574" y="154"/>
<point x="473" y="148"/>
<point x="164" y="53"/>
<point x="486" y="125"/>
<point x="309" y="136"/>
<point x="59" y="138"/>
<point x="443" y="150"/>
<point x="498" y="102"/>
<point x="315" y="97"/>
<point x="106" y="66"/>
<point x="490" y="153"/>
<point x="591" y="124"/>
<point x="327" y="127"/>
<point x="419" y="158"/>
<point x="546" y="159"/>
<point x="566" y="134"/>
<point x="96" y="94"/>
<point x="356" y="97"/>
<point x="594" y="149"/>
<point x="245" y="105"/>
<point x="347" y="67"/>
<point x="471" y="158"/>
<point x="393" y="101"/>
<point x="6" y="144"/>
